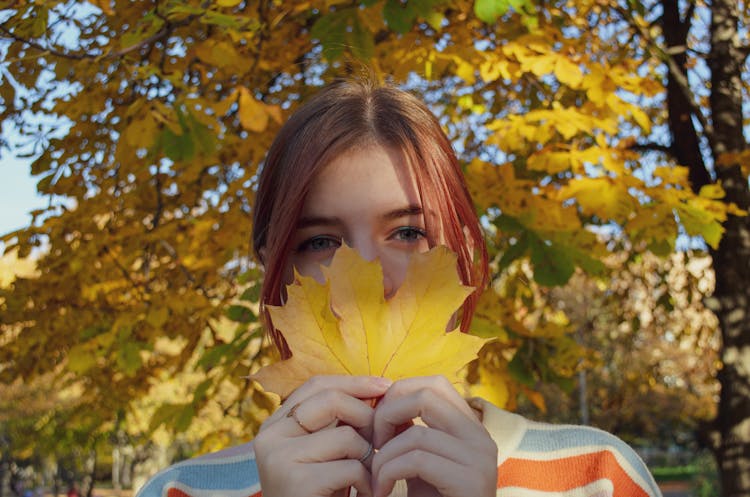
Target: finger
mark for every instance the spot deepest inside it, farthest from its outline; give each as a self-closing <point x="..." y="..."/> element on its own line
<point x="337" y="475"/>
<point x="342" y="442"/>
<point x="429" y="402"/>
<point x="426" y="439"/>
<point x="447" y="477"/>
<point x="438" y="384"/>
<point x="361" y="387"/>
<point x="323" y="409"/>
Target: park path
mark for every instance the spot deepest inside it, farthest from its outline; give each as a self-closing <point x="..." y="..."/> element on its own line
<point x="676" y="489"/>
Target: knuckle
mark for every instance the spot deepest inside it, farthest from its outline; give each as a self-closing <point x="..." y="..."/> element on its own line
<point x="394" y="390"/>
<point x="348" y="433"/>
<point x="424" y="396"/>
<point x="416" y="459"/>
<point x="441" y="381"/>
<point x="331" y="397"/>
<point x="316" y="382"/>
<point x="417" y="433"/>
<point x="350" y="466"/>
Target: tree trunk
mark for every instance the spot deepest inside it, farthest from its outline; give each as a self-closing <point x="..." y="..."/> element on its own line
<point x="89" y="470"/>
<point x="4" y="477"/>
<point x="732" y="259"/>
<point x="685" y="147"/>
<point x="729" y="434"/>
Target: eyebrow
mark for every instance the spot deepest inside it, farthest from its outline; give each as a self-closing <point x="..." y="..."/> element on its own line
<point x="307" y="221"/>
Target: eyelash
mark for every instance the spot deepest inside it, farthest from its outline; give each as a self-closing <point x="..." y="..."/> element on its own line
<point x="412" y="230"/>
<point x="306" y="245"/>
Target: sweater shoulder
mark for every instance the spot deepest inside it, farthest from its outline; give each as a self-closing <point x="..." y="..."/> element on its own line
<point x="580" y="456"/>
<point x="228" y="473"/>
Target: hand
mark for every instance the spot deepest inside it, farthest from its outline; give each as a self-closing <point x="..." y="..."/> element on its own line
<point x="306" y="453"/>
<point x="453" y="456"/>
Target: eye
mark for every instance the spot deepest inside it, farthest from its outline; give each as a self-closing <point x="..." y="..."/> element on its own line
<point x="318" y="244"/>
<point x="409" y="234"/>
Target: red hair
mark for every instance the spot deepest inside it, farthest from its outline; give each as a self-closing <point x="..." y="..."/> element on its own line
<point x="342" y="117"/>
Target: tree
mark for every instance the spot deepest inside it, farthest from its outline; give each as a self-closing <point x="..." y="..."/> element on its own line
<point x="652" y="376"/>
<point x="147" y="123"/>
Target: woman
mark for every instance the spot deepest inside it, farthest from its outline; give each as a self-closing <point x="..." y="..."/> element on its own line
<point x="370" y="166"/>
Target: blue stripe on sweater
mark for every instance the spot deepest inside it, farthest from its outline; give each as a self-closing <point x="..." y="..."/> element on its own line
<point x="569" y="437"/>
<point x="224" y="476"/>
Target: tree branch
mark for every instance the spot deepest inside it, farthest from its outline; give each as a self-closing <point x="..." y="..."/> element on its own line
<point x="674" y="70"/>
<point x="159" y="35"/>
<point x="651" y="147"/>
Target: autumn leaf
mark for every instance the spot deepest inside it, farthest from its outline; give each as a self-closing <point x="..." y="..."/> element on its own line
<point x="347" y="326"/>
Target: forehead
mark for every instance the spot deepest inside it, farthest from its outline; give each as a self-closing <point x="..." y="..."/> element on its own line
<point x="360" y="180"/>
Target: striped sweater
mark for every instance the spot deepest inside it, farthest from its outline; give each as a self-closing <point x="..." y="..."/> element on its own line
<point x="534" y="460"/>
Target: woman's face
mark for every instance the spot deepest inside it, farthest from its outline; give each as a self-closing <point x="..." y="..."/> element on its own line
<point x="368" y="199"/>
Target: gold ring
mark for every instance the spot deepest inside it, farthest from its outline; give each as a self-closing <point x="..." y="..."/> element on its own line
<point x="293" y="414"/>
<point x="367" y="453"/>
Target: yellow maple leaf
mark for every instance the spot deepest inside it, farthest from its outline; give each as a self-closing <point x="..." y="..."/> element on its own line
<point x="252" y="113"/>
<point x="346" y="325"/>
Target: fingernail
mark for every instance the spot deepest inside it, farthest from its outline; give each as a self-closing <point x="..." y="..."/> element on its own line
<point x="382" y="382"/>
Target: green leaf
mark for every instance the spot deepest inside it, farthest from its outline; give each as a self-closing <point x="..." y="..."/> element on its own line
<point x="184" y="418"/>
<point x="662" y="248"/>
<point x="518" y="368"/>
<point x="552" y="266"/>
<point x="157" y="316"/>
<point x="699" y="222"/>
<point x="362" y="41"/>
<point x="81" y="359"/>
<point x="214" y="355"/>
<point x="40" y="22"/>
<point x="399" y="17"/>
<point x="184" y="9"/>
<point x="251" y="293"/>
<point x="241" y="314"/>
<point x="330" y="29"/>
<point x="129" y="358"/>
<point x="485" y="328"/>
<point x="508" y="224"/>
<point x="92" y="331"/>
<point x="195" y="137"/>
<point x="201" y="135"/>
<point x="214" y="18"/>
<point x="515" y="251"/>
<point x="585" y="261"/>
<point x="199" y="394"/>
<point x="489" y="10"/>
<point x="178" y="416"/>
<point x="425" y="7"/>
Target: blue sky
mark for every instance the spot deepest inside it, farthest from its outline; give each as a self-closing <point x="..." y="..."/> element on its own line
<point x="17" y="193"/>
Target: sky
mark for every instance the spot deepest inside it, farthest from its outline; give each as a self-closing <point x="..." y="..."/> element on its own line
<point x="18" y="194"/>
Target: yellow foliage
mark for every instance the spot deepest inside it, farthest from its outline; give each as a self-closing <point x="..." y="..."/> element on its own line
<point x="12" y="267"/>
<point x="603" y="197"/>
<point x="171" y="112"/>
<point x="254" y="115"/>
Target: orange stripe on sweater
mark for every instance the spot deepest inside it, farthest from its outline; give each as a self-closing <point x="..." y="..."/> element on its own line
<point x="176" y="492"/>
<point x="566" y="473"/>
